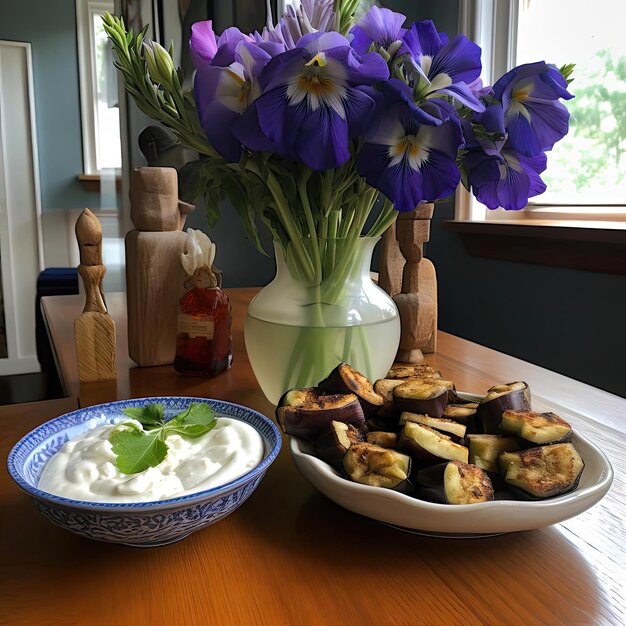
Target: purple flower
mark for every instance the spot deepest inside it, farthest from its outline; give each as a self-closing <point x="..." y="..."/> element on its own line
<point x="315" y="97"/>
<point x="204" y="45"/>
<point x="411" y="155"/>
<point x="534" y="117"/>
<point x="312" y="16"/>
<point x="442" y="67"/>
<point x="486" y="130"/>
<point x="506" y="180"/>
<point x="223" y="93"/>
<point x="380" y="26"/>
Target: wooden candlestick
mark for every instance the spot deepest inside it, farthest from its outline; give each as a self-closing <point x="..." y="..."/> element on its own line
<point x="94" y="329"/>
<point x="412" y="282"/>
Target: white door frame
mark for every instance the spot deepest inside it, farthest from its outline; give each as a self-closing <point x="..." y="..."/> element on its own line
<point x="21" y="244"/>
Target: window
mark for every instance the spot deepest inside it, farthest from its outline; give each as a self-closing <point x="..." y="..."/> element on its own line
<point x="586" y="175"/>
<point x="98" y="90"/>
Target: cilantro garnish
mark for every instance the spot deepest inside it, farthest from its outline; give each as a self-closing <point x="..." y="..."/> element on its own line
<point x="137" y="449"/>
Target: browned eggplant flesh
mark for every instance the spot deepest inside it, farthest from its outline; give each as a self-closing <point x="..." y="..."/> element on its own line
<point x="345" y="379"/>
<point x="543" y="471"/>
<point x="372" y="465"/>
<point x="382" y="439"/>
<point x="454" y="483"/>
<point x="538" y="428"/>
<point x="421" y="370"/>
<point x="442" y="424"/>
<point x="484" y="450"/>
<point x="426" y="446"/>
<point x="428" y="396"/>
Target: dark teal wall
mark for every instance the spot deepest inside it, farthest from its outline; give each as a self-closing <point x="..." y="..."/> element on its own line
<point x="50" y="26"/>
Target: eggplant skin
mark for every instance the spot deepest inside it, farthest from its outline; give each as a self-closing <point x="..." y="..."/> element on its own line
<point x="334" y="441"/>
<point x="310" y="419"/>
<point x="345" y="379"/>
<point x="511" y="396"/>
<point x="544" y="471"/>
<point x="423" y="395"/>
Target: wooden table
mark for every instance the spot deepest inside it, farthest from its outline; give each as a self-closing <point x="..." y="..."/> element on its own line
<point x="289" y="555"/>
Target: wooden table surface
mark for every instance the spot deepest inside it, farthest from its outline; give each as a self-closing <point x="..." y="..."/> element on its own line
<point x="291" y="556"/>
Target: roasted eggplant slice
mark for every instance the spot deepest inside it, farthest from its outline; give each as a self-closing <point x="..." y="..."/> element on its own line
<point x="301" y="416"/>
<point x="428" y="396"/>
<point x="536" y="428"/>
<point x="462" y="413"/>
<point x="543" y="471"/>
<point x="454" y="483"/>
<point x="345" y="379"/>
<point x="484" y="450"/>
<point x="443" y="425"/>
<point x="382" y="439"/>
<point x="421" y="370"/>
<point x="378" y="467"/>
<point x="334" y="442"/>
<point x="500" y="398"/>
<point x="426" y="446"/>
<point x="384" y="387"/>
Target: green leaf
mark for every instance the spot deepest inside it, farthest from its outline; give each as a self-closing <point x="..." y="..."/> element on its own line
<point x="189" y="430"/>
<point x="150" y="416"/>
<point x="136" y="451"/>
<point x="197" y="413"/>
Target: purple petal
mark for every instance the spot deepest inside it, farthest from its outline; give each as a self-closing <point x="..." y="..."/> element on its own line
<point x="382" y="26"/>
<point x="462" y="93"/>
<point x="440" y="175"/>
<point x="247" y="130"/>
<point x="422" y="40"/>
<point x="365" y="69"/>
<point x="360" y="40"/>
<point x="314" y="43"/>
<point x="459" y="59"/>
<point x="361" y="106"/>
<point x="272" y="109"/>
<point x="548" y="123"/>
<point x="548" y="74"/>
<point x="217" y="122"/>
<point x="323" y="140"/>
<point x="202" y="44"/>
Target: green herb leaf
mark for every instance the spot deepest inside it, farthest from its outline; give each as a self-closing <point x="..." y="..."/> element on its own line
<point x="190" y="430"/>
<point x="150" y="416"/>
<point x="197" y="413"/>
<point x="136" y="451"/>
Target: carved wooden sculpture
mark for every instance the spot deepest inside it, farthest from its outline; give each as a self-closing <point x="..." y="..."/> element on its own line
<point x="412" y="282"/>
<point x="94" y="330"/>
<point x="154" y="274"/>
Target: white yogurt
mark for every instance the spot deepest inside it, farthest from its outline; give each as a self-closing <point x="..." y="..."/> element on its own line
<point x="84" y="468"/>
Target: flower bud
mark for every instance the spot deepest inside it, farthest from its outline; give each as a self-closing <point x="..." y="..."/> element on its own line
<point x="160" y="64"/>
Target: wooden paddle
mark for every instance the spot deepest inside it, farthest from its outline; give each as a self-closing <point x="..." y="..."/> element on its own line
<point x="94" y="329"/>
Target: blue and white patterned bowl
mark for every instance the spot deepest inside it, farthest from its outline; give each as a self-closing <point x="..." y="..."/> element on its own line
<point x="142" y="523"/>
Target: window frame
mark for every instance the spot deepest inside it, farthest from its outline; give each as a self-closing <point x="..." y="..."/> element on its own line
<point x="85" y="11"/>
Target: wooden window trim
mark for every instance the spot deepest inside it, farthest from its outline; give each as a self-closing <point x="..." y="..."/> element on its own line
<point x="590" y="246"/>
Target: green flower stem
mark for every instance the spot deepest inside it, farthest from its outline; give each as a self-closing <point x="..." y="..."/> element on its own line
<point x="308" y="215"/>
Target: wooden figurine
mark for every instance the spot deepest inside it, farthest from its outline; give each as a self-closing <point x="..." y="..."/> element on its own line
<point x="94" y="329"/>
<point x="412" y="282"/>
<point x="154" y="275"/>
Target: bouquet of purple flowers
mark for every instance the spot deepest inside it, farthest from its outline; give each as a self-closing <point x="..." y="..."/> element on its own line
<point x="306" y="122"/>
